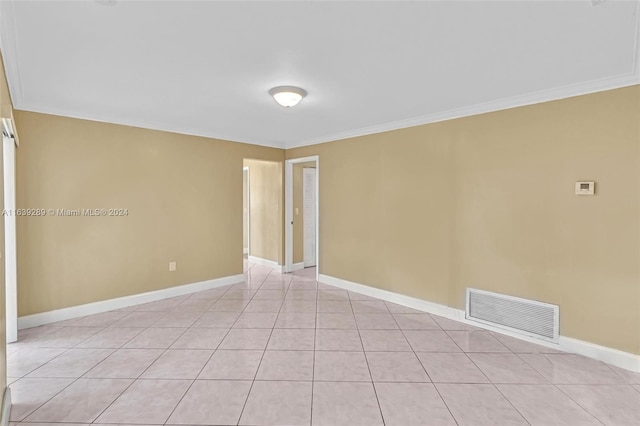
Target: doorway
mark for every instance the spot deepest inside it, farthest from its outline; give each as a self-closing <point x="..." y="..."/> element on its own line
<point x="265" y="213"/>
<point x="302" y="224"/>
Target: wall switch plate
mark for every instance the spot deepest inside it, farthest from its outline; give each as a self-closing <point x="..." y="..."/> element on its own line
<point x="172" y="266"/>
<point x="297" y="211"/>
<point x="585" y="188"/>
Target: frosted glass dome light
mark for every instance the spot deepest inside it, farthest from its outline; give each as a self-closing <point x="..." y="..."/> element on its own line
<point x="287" y="96"/>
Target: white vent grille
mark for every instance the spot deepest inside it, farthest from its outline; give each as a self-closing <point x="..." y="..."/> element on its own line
<point x="524" y="316"/>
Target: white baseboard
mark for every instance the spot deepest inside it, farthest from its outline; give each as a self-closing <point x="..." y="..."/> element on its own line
<point x="266" y="262"/>
<point x="49" y="317"/>
<point x="389" y="296"/>
<point x="621" y="359"/>
<point x="6" y="407"/>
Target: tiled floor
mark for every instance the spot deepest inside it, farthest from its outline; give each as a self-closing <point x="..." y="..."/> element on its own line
<point x="284" y="350"/>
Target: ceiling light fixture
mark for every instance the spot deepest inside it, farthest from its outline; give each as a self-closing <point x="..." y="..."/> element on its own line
<point x="287" y="96"/>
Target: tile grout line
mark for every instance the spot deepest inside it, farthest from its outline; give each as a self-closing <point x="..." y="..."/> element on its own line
<point x="263" y="351"/>
<point x="210" y="356"/>
<point x="556" y="385"/>
<point x="313" y="365"/>
<point x="132" y="382"/>
<point x="139" y="377"/>
<point x="265" y="348"/>
<point x="495" y="386"/>
<point x="422" y="365"/>
<point x="113" y="350"/>
<point x="45" y="402"/>
<point x="366" y="360"/>
<point x="218" y="345"/>
<point x="77" y="378"/>
<point x="74" y="380"/>
<point x="624" y="380"/>
<point x="578" y="404"/>
<point x="491" y="381"/>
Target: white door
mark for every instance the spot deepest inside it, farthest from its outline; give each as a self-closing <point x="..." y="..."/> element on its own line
<point x="10" y="265"/>
<point x="309" y="215"/>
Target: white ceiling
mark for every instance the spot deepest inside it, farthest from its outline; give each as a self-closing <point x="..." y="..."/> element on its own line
<point x="205" y="68"/>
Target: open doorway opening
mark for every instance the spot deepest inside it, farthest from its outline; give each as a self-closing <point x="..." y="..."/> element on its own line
<point x="302" y="217"/>
<point x="265" y="211"/>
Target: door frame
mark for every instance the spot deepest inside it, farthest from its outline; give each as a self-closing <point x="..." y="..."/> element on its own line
<point x="288" y="204"/>
<point x="247" y="217"/>
<point x="9" y="145"/>
<point x="311" y="186"/>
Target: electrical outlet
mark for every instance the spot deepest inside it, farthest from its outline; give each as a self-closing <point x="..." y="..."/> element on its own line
<point x="172" y="266"/>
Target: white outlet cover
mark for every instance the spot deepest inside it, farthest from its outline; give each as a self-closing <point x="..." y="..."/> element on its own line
<point x="585" y="188"/>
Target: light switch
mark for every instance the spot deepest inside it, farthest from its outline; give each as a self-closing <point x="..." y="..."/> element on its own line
<point x="297" y="211"/>
<point x="585" y="188"/>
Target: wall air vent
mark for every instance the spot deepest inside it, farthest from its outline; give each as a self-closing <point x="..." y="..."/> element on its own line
<point x="523" y="316"/>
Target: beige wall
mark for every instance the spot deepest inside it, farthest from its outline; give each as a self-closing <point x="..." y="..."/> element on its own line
<point x="266" y="209"/>
<point x="184" y="200"/>
<point x="488" y="202"/>
<point x="298" y="220"/>
<point x="6" y="108"/>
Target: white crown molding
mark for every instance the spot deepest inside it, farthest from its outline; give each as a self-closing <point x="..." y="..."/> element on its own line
<point x="141" y="124"/>
<point x="625" y="360"/>
<point x="564" y="92"/>
<point x="64" y="314"/>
